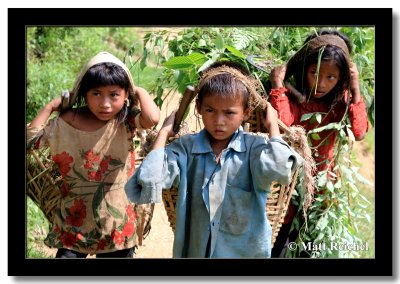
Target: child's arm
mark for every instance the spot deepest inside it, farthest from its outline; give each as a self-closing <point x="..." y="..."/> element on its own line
<point x="271" y="121"/>
<point x="42" y="117"/>
<point x="357" y="109"/>
<point x="354" y="84"/>
<point x="288" y="110"/>
<point x="150" y="113"/>
<point x="158" y="170"/>
<point x="165" y="132"/>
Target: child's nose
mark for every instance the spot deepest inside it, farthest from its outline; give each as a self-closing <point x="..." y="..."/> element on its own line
<point x="321" y="83"/>
<point x="219" y="119"/>
<point x="105" y="102"/>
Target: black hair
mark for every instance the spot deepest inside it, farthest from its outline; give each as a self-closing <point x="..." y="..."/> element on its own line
<point x="330" y="52"/>
<point x="105" y="74"/>
<point x="225" y="85"/>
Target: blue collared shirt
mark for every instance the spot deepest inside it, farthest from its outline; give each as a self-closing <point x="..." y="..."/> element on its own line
<point x="223" y="202"/>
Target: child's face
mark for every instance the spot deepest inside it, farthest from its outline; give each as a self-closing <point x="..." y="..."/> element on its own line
<point x="329" y="75"/>
<point x="222" y="116"/>
<point x="106" y="102"/>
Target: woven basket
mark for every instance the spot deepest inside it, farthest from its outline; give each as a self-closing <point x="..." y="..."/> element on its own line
<point x="43" y="185"/>
<point x="278" y="200"/>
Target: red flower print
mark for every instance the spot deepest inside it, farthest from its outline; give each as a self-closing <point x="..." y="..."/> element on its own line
<point x="128" y="229"/>
<point x="131" y="213"/>
<point x="94" y="176"/>
<point x="63" y="161"/>
<point x="56" y="229"/>
<point x="76" y="213"/>
<point x="65" y="189"/>
<point x="133" y="160"/>
<point x="101" y="244"/>
<point x="117" y="237"/>
<point x="91" y="159"/>
<point x="68" y="239"/>
<point x="96" y="167"/>
<point x="104" y="164"/>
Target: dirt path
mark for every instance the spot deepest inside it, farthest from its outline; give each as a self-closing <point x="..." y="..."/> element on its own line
<point x="158" y="244"/>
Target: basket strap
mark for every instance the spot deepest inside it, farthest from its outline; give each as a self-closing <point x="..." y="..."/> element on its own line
<point x="283" y="126"/>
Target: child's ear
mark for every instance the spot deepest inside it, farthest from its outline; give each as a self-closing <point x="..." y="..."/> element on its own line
<point x="246" y="114"/>
<point x="198" y="106"/>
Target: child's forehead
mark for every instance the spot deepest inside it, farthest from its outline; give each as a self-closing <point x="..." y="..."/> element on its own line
<point x="326" y="65"/>
<point x="218" y="100"/>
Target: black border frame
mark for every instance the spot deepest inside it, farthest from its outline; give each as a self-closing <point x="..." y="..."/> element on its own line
<point x="19" y="18"/>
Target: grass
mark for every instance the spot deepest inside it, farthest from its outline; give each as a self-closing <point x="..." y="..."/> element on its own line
<point x="366" y="227"/>
<point x="37" y="228"/>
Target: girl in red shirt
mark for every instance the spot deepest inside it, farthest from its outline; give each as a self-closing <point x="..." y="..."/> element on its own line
<point x="324" y="81"/>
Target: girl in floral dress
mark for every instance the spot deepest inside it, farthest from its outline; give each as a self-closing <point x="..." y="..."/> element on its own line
<point x="91" y="143"/>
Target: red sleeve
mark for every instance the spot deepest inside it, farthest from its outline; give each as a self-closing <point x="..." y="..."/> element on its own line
<point x="286" y="109"/>
<point x="358" y="119"/>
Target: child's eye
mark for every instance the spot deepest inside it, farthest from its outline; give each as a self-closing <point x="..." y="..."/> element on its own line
<point x="331" y="77"/>
<point x="115" y="94"/>
<point x="208" y="110"/>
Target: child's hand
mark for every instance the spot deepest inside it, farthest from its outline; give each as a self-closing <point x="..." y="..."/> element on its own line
<point x="168" y="125"/>
<point x="54" y="105"/>
<point x="354" y="83"/>
<point x="165" y="132"/>
<point x="277" y="76"/>
<point x="271" y="120"/>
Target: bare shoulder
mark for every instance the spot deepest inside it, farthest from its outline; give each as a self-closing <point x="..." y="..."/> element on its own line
<point x="69" y="116"/>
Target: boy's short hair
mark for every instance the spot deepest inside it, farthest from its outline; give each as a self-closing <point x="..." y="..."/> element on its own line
<point x="232" y="83"/>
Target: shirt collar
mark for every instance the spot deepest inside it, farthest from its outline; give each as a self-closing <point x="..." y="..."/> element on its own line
<point x="202" y="145"/>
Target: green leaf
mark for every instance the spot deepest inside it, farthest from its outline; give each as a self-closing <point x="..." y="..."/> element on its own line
<point x="185" y="62"/>
<point x="113" y="211"/>
<point x="326" y="127"/>
<point x="235" y="52"/>
<point x="219" y="43"/>
<point x="318" y="117"/>
<point x="315" y="136"/>
<point x="350" y="134"/>
<point x="306" y="116"/>
<point x="201" y="43"/>
<point x="330" y="186"/>
<point x="96" y="203"/>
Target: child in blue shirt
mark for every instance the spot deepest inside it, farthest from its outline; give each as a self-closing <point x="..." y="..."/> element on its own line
<point x="223" y="174"/>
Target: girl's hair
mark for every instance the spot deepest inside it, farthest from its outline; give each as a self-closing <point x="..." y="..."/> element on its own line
<point x="225" y="85"/>
<point x="330" y="52"/>
<point x="105" y="74"/>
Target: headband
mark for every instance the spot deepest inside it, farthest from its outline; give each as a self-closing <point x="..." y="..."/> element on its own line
<point x="253" y="86"/>
<point x="316" y="43"/>
<point x="101" y="57"/>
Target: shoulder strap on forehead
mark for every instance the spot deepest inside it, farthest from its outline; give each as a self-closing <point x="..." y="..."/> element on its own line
<point x="101" y="57"/>
<point x="253" y="86"/>
<point x="324" y="40"/>
<point x="315" y="44"/>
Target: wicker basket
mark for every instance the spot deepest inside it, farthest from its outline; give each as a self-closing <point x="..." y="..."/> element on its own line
<point x="44" y="183"/>
<point x="278" y="200"/>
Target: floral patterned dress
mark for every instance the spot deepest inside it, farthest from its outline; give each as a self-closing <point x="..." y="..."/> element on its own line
<point x="93" y="215"/>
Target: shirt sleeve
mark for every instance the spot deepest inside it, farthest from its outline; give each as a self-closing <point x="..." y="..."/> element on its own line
<point x="358" y="119"/>
<point x="37" y="137"/>
<point x="158" y="171"/>
<point x="273" y="161"/>
<point x="287" y="111"/>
